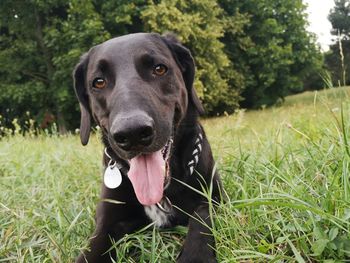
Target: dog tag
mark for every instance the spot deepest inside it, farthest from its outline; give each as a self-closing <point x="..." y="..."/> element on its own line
<point x="112" y="177"/>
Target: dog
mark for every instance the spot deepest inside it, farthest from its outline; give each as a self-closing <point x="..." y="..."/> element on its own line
<point x="139" y="89"/>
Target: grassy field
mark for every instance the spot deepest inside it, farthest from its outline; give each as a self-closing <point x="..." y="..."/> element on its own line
<point x="286" y="171"/>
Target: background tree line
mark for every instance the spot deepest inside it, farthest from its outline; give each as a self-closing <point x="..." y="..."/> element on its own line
<point x="338" y="57"/>
<point x="248" y="53"/>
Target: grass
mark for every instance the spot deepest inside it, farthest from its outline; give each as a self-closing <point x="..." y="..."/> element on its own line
<point x="286" y="171"/>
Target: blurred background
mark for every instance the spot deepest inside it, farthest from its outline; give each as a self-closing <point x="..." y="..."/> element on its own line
<point x="249" y="54"/>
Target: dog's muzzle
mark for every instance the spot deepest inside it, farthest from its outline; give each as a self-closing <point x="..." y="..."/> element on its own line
<point x="149" y="174"/>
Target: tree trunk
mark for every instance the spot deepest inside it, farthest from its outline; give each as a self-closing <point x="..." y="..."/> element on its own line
<point x="62" y="129"/>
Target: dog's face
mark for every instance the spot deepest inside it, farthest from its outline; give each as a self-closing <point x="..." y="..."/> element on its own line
<point x="137" y="88"/>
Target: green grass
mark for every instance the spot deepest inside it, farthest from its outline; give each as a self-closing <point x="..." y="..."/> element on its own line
<point x="286" y="172"/>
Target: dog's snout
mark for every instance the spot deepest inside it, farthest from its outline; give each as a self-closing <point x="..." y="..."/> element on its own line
<point x="133" y="132"/>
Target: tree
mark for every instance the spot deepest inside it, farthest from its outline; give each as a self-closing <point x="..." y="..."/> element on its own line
<point x="40" y="43"/>
<point x="121" y="17"/>
<point x="199" y="25"/>
<point x="277" y="55"/>
<point x="255" y="49"/>
<point x="339" y="17"/>
<point x="337" y="59"/>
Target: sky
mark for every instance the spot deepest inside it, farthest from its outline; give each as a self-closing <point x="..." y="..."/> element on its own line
<point x="318" y="11"/>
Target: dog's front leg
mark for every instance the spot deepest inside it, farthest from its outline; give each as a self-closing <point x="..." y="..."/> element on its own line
<point x="101" y="242"/>
<point x="98" y="246"/>
<point x="199" y="243"/>
<point x="113" y="221"/>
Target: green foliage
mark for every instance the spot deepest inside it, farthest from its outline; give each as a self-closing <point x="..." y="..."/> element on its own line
<point x="277" y="55"/>
<point x="334" y="60"/>
<point x="340" y="18"/>
<point x="338" y="57"/>
<point x="255" y="50"/>
<point x="199" y="27"/>
<point x="121" y="17"/>
<point x="40" y="44"/>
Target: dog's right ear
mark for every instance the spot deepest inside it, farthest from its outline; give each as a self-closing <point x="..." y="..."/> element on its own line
<point x="79" y="75"/>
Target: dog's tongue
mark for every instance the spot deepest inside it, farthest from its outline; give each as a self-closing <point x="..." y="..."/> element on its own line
<point x="146" y="174"/>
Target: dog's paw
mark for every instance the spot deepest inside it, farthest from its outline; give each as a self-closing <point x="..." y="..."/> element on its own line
<point x="195" y="258"/>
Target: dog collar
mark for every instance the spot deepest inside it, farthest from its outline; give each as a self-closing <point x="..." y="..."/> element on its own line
<point x="196" y="153"/>
<point x="165" y="204"/>
<point x="113" y="178"/>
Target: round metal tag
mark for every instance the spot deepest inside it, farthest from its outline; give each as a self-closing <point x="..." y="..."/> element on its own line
<point x="112" y="177"/>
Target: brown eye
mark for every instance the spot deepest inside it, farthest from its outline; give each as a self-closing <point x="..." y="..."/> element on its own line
<point x="160" y="70"/>
<point x="99" y="83"/>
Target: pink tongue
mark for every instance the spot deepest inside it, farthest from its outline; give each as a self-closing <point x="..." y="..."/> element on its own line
<point x="147" y="177"/>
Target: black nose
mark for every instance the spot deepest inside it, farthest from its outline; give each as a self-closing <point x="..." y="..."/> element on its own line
<point x="133" y="131"/>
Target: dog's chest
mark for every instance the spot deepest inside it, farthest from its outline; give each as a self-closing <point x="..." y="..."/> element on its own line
<point x="156" y="215"/>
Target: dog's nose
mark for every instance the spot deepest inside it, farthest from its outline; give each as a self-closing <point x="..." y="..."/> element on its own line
<point x="133" y="131"/>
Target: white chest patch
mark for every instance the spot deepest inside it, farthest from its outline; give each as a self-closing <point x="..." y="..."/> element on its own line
<point x="159" y="217"/>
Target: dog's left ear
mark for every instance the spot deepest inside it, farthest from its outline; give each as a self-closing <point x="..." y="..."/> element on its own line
<point x="79" y="75"/>
<point x="185" y="61"/>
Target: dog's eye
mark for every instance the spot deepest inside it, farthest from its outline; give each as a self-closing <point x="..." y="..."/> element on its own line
<point x="99" y="83"/>
<point x="160" y="70"/>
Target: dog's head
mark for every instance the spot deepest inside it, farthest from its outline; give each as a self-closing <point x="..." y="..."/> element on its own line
<point x="137" y="88"/>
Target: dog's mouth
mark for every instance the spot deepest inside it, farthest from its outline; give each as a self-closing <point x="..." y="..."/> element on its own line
<point x="149" y="174"/>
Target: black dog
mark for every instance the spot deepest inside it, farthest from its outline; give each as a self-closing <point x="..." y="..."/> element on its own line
<point x="139" y="90"/>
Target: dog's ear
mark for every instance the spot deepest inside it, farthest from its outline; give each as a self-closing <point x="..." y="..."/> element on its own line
<point x="185" y="61"/>
<point x="79" y="75"/>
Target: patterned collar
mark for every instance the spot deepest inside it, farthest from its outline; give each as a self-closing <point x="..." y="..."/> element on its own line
<point x="196" y="153"/>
